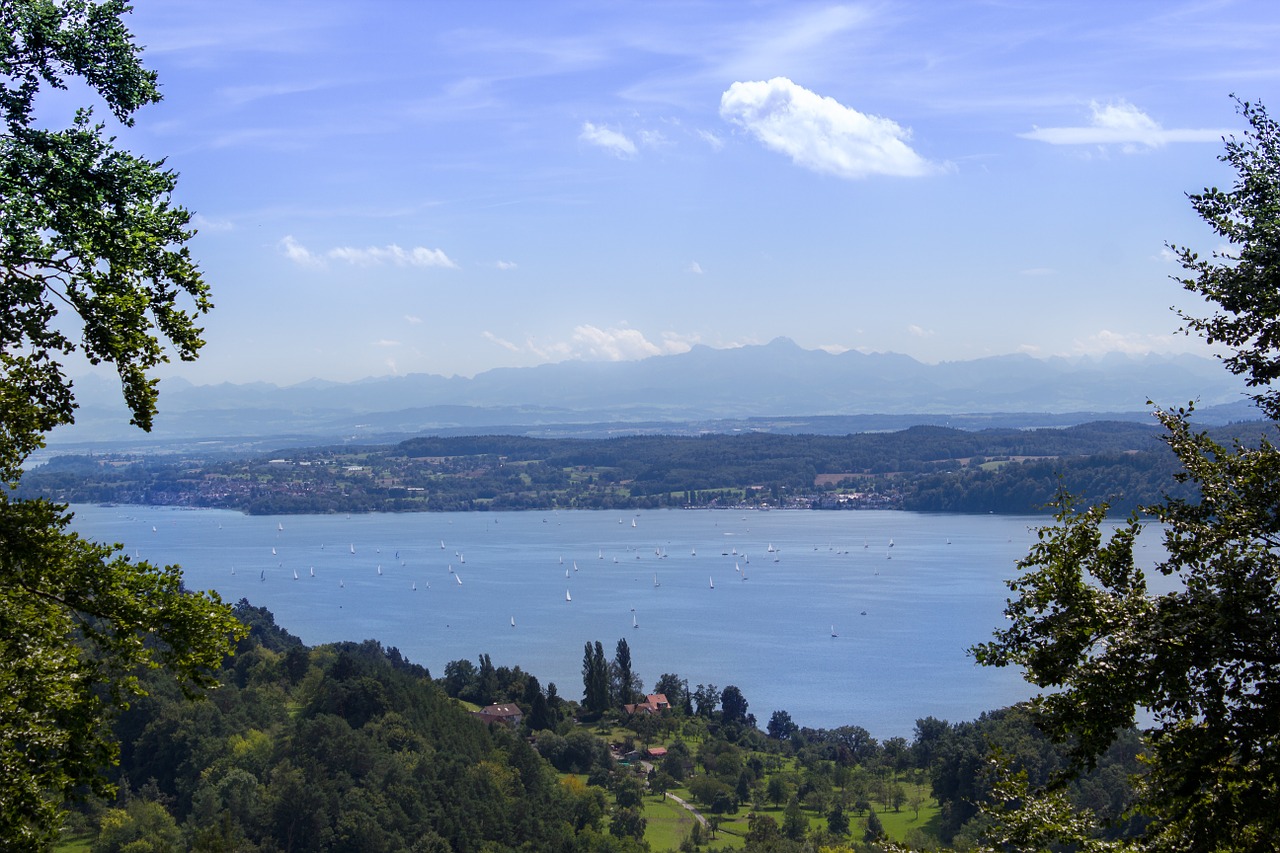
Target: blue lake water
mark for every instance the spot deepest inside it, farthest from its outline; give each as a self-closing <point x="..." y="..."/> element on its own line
<point x="750" y="599"/>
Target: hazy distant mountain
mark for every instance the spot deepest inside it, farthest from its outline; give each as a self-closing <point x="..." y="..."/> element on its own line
<point x="775" y="380"/>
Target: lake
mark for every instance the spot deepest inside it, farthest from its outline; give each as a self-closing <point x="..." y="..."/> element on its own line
<point x="839" y="618"/>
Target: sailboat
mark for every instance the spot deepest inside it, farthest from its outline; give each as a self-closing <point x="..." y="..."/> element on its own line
<point x="833" y="631"/>
<point x="633" y="522"/>
<point x="634" y="623"/>
<point x="415" y="586"/>
<point x="513" y="621"/>
<point x="711" y="582"/>
<point x="441" y="544"/>
<point x="273" y="550"/>
<point x="567" y="596"/>
<point x="279" y="527"/>
<point x="233" y="570"/>
<point x="353" y="547"/>
<point x="655" y="582"/>
<point x="458" y="578"/>
<point x="341" y="584"/>
<point x="295" y="574"/>
<point x="575" y="565"/>
<point x="379" y="569"/>
<point x="313" y="571"/>
<point x="262" y="575"/>
<point x="693" y="552"/>
<point x="566" y="574"/>
<point x="601" y="557"/>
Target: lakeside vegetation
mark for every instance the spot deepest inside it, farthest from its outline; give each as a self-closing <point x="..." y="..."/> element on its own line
<point x="349" y="746"/>
<point x="930" y="469"/>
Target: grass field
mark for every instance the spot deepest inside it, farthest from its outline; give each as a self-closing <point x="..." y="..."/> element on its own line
<point x="667" y="823"/>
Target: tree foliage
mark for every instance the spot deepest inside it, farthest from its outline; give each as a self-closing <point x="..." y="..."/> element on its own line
<point x="1203" y="659"/>
<point x="90" y="241"/>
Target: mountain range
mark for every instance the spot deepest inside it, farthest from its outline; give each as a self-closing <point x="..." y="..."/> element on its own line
<point x="703" y="389"/>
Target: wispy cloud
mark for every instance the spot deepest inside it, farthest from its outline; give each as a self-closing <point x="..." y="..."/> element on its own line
<point x="919" y="331"/>
<point x="1123" y="124"/>
<point x="610" y="140"/>
<point x="1105" y="341"/>
<point x="299" y="254"/>
<point x="411" y="319"/>
<point x="207" y="225"/>
<point x="695" y="268"/>
<point x="505" y="265"/>
<point x="820" y="133"/>
<point x="505" y="344"/>
<point x="711" y="139"/>
<point x="418" y="256"/>
<point x="592" y="343"/>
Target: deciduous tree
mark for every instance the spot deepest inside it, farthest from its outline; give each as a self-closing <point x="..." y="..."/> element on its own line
<point x="1203" y="659"/>
<point x="92" y="260"/>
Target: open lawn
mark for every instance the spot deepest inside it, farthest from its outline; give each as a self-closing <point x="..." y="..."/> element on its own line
<point x="667" y="823"/>
<point x="899" y="824"/>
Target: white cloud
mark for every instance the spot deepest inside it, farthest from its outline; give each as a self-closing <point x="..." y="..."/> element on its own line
<point x="592" y="343"/>
<point x="711" y="139"/>
<point x="919" y="331"/>
<point x="505" y="265"/>
<point x="507" y="345"/>
<point x="820" y="133"/>
<point x="1105" y="341"/>
<point x="205" y="224"/>
<point x="386" y="343"/>
<point x="610" y="140"/>
<point x="299" y="254"/>
<point x="834" y="349"/>
<point x="695" y="267"/>
<point x="1123" y="124"/>
<point x="419" y="256"/>
<point x="653" y="139"/>
<point x="410" y="318"/>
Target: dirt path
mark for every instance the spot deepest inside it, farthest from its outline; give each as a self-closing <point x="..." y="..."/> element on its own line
<point x="696" y="814"/>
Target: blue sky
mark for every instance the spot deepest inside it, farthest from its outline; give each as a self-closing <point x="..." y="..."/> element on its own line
<point x="404" y="187"/>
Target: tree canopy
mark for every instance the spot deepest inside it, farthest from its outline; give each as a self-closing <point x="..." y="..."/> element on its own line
<point x="92" y="260"/>
<point x="1202" y="660"/>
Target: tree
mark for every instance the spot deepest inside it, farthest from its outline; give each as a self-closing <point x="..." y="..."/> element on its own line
<point x="90" y="241"/>
<point x="875" y="829"/>
<point x="733" y="706"/>
<point x="794" y="824"/>
<point x="781" y="726"/>
<point x="838" y="821"/>
<point x="706" y="696"/>
<point x="86" y="227"/>
<point x="595" y="678"/>
<point x="623" y="677"/>
<point x="1202" y="659"/>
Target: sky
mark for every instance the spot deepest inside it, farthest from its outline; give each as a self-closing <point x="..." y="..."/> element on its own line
<point x="385" y="187"/>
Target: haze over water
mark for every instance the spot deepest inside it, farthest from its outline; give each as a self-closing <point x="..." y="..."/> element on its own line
<point x="904" y="614"/>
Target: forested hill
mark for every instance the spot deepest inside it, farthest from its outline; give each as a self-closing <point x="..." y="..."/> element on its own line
<point x="351" y="747"/>
<point x="927" y="468"/>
